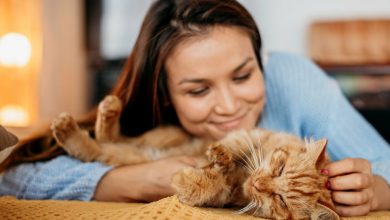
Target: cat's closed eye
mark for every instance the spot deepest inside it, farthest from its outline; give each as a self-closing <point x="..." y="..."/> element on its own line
<point x="281" y="200"/>
<point x="281" y="169"/>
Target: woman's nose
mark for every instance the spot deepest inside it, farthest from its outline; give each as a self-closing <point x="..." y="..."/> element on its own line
<point x="226" y="102"/>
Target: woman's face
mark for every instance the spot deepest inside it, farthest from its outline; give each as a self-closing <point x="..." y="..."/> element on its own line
<point x="215" y="83"/>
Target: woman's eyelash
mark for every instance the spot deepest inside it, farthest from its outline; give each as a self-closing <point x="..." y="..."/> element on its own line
<point x="198" y="92"/>
<point x="242" y="77"/>
<point x="201" y="91"/>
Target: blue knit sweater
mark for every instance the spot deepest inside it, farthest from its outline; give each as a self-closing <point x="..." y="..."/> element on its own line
<point x="300" y="99"/>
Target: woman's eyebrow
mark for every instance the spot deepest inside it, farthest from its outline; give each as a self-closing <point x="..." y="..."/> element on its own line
<point x="238" y="68"/>
<point x="191" y="81"/>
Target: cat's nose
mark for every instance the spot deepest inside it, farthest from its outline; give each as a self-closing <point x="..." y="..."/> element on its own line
<point x="258" y="185"/>
<point x="263" y="185"/>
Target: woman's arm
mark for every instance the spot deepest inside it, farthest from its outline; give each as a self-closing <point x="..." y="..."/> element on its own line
<point x="66" y="178"/>
<point x="144" y="182"/>
<point x="62" y="178"/>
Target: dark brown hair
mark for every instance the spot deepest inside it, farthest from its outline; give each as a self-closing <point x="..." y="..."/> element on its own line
<point x="142" y="84"/>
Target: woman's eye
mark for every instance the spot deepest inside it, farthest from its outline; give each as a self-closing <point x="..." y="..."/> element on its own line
<point x="242" y="77"/>
<point x="198" y="92"/>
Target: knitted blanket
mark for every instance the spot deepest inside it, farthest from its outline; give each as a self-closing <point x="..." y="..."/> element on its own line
<point x="165" y="209"/>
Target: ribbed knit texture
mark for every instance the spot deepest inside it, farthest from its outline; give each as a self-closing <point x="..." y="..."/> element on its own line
<point x="165" y="209"/>
<point x="60" y="178"/>
<point x="301" y="100"/>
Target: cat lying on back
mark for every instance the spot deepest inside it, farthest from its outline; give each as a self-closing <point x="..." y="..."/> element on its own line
<point x="271" y="175"/>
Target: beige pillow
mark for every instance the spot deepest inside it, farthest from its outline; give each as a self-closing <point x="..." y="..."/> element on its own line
<point x="7" y="139"/>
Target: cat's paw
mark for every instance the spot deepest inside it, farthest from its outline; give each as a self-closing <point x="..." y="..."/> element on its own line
<point x="201" y="187"/>
<point x="189" y="184"/>
<point x="219" y="155"/>
<point x="63" y="127"/>
<point x="109" y="108"/>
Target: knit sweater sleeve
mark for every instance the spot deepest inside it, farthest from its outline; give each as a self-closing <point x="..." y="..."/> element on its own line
<point x="303" y="100"/>
<point x="62" y="178"/>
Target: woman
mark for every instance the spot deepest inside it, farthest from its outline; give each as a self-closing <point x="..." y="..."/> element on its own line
<point x="197" y="64"/>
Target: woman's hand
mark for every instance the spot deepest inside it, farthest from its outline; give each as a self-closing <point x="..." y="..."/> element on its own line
<point x="355" y="190"/>
<point x="143" y="182"/>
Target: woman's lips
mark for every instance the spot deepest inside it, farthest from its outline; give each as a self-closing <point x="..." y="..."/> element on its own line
<point x="229" y="124"/>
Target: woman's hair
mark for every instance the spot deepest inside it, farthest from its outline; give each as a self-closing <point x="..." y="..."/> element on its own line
<point x="142" y="84"/>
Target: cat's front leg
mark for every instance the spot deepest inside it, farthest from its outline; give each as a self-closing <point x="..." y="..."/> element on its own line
<point x="220" y="157"/>
<point x="72" y="139"/>
<point x="107" y="127"/>
<point x="201" y="187"/>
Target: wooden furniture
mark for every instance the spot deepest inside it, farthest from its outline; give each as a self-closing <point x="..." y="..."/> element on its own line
<point x="357" y="54"/>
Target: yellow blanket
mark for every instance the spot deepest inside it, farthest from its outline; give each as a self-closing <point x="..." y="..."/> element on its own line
<point x="165" y="209"/>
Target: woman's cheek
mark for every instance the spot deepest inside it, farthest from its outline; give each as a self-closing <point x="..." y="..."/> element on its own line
<point x="251" y="94"/>
<point x="255" y="90"/>
<point x="194" y="110"/>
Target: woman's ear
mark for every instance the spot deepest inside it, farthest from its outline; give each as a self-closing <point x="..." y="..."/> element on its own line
<point x="322" y="212"/>
<point x="7" y="139"/>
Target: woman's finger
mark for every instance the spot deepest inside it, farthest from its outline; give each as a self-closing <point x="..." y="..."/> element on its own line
<point x="349" y="165"/>
<point x="353" y="181"/>
<point x="352" y="198"/>
<point x="353" y="210"/>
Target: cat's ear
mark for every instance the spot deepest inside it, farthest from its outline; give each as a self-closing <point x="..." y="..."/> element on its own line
<point x="322" y="212"/>
<point x="278" y="161"/>
<point x="319" y="155"/>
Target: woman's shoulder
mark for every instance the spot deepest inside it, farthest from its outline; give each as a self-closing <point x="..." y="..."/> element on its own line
<point x="297" y="91"/>
<point x="291" y="74"/>
<point x="291" y="66"/>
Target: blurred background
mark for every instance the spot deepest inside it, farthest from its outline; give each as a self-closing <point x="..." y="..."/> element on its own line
<point x="64" y="55"/>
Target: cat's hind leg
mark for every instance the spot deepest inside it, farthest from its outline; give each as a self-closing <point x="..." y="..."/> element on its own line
<point x="107" y="127"/>
<point x="73" y="140"/>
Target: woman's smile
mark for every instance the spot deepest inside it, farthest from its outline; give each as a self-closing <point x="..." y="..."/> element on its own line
<point x="229" y="124"/>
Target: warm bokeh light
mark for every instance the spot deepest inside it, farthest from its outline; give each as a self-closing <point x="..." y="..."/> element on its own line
<point x="15" y="50"/>
<point x="12" y="115"/>
<point x="21" y="48"/>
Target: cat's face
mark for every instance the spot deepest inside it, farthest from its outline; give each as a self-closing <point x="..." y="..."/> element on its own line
<point x="287" y="183"/>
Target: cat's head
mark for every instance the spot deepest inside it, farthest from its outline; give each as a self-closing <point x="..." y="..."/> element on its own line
<point x="286" y="182"/>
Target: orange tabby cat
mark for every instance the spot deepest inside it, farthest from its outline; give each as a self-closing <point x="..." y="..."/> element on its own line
<point x="271" y="175"/>
<point x="111" y="148"/>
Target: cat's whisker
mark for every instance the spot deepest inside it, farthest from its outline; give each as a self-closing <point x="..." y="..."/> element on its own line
<point x="248" y="160"/>
<point x="245" y="159"/>
<point x="260" y="155"/>
<point x="253" y="153"/>
<point x="251" y="171"/>
<point x="257" y="156"/>
<point x="245" y="156"/>
<point x="247" y="208"/>
<point x="259" y="151"/>
<point x="257" y="208"/>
